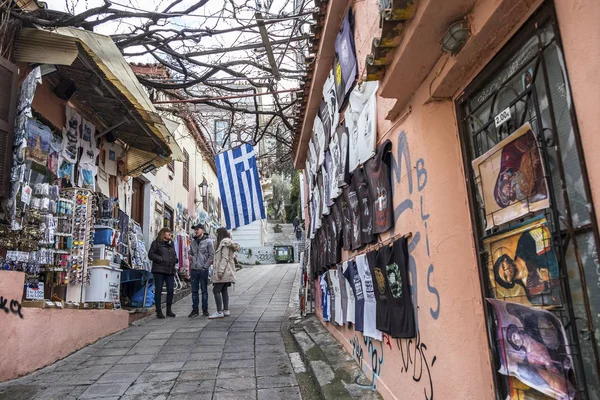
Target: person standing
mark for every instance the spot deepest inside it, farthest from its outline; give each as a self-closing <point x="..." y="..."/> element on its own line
<point x="223" y="272"/>
<point x="163" y="257"/>
<point x="201" y="254"/>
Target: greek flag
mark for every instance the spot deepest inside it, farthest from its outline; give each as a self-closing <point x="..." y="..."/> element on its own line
<point x="239" y="185"/>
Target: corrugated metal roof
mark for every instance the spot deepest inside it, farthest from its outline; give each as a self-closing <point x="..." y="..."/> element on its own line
<point x="56" y="47"/>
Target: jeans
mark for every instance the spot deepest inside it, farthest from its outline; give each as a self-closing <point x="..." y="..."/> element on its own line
<point x="158" y="282"/>
<point x="221" y="296"/>
<point x="199" y="279"/>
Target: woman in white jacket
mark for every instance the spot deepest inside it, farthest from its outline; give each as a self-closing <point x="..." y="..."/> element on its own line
<point x="223" y="271"/>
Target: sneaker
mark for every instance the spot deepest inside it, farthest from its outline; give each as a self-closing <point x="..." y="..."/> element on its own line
<point x="226" y="313"/>
<point x="194" y="313"/>
<point x="216" y="315"/>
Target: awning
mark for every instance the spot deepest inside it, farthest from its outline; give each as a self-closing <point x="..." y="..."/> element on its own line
<point x="62" y="47"/>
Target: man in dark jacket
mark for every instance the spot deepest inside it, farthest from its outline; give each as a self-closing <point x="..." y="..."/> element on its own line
<point x="163" y="257"/>
<point x="201" y="253"/>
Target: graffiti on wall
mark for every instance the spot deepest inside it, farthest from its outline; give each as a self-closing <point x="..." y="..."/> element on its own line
<point x="13" y="306"/>
<point x="375" y="357"/>
<point x="415" y="363"/>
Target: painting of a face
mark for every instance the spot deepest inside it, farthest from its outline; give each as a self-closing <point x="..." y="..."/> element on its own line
<point x="508" y="271"/>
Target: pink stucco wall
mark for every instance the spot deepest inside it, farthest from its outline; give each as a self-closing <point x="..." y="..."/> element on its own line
<point x="450" y="356"/>
<point x="44" y="336"/>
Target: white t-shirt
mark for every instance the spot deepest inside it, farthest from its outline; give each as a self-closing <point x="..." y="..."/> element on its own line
<point x="113" y="153"/>
<point x="335" y="282"/>
<point x="361" y="120"/>
<point x="370" y="316"/>
<point x="351" y="301"/>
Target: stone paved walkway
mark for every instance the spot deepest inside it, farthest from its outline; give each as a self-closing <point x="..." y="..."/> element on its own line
<point x="238" y="357"/>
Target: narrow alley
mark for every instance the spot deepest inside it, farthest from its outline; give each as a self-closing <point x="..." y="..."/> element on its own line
<point x="238" y="357"/>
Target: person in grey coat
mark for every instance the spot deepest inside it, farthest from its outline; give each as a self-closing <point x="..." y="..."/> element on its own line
<point x="202" y="253"/>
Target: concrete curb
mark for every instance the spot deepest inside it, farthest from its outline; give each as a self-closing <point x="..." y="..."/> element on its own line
<point x="335" y="372"/>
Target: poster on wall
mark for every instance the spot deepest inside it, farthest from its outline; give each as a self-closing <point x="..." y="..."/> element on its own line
<point x="534" y="349"/>
<point x="361" y="120"/>
<point x="510" y="178"/>
<point x="522" y="265"/>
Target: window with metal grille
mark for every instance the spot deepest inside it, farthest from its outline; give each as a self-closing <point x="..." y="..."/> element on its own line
<point x="186" y="170"/>
<point x="527" y="83"/>
<point x="171" y="166"/>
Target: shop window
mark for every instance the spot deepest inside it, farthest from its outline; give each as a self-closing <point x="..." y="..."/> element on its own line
<point x="531" y="208"/>
<point x="186" y="170"/>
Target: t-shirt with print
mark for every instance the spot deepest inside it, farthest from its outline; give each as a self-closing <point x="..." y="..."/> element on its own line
<point x="337" y="219"/>
<point x="354" y="211"/>
<point x="347" y="222"/>
<point x="330" y="177"/>
<point x="338" y="316"/>
<point x="332" y="298"/>
<point x="343" y="177"/>
<point x="343" y="293"/>
<point x="334" y="150"/>
<point x="379" y="287"/>
<point x="361" y="186"/>
<point x="353" y="277"/>
<point x="113" y="153"/>
<point x="401" y="316"/>
<point x="380" y="189"/>
<point x="370" y="306"/>
<point x="345" y="66"/>
<point x="326" y="119"/>
<point x="325" y="299"/>
<point x="350" y="309"/>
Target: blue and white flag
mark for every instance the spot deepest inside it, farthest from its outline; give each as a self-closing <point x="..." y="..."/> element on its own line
<point x="241" y="193"/>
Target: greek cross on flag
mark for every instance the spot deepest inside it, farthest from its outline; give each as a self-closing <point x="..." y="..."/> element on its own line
<point x="241" y="193"/>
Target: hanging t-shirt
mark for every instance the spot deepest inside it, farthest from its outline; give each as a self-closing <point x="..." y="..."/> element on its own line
<point x="346" y="220"/>
<point x="351" y="274"/>
<point x="354" y="211"/>
<point x="326" y="120"/>
<point x="330" y="177"/>
<point x="337" y="221"/>
<point x="343" y="177"/>
<point x="325" y="305"/>
<point x="380" y="189"/>
<point x="334" y="150"/>
<point x="318" y="212"/>
<point x="319" y="135"/>
<point x="113" y="153"/>
<point x="370" y="306"/>
<point x="330" y="98"/>
<point x="343" y="293"/>
<point x="394" y="262"/>
<point x="345" y="66"/>
<point x="313" y="157"/>
<point x="350" y="310"/>
<point x="361" y="119"/>
<point x="71" y="135"/>
<point x="379" y="287"/>
<point x="332" y="296"/>
<point x="361" y="186"/>
<point x="54" y="153"/>
<point x="338" y="316"/>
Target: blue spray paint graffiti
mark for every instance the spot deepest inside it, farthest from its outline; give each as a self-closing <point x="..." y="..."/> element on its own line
<point x="373" y="352"/>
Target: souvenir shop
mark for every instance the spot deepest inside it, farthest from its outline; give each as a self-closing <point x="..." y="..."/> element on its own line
<point x="66" y="238"/>
<point x="458" y="225"/>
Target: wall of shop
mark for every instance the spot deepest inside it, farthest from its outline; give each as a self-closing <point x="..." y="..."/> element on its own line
<point x="431" y="202"/>
<point x="33" y="338"/>
<point x="166" y="187"/>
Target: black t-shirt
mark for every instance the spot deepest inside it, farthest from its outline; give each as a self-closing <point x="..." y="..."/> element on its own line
<point x="380" y="290"/>
<point x="337" y="221"/>
<point x="344" y="207"/>
<point x="327" y="122"/>
<point x="352" y="276"/>
<point x="393" y="262"/>
<point x="380" y="189"/>
<point x="354" y="211"/>
<point x="361" y="186"/>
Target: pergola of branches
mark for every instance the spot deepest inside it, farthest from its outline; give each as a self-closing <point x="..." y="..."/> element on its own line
<point x="214" y="51"/>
